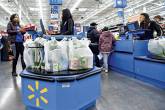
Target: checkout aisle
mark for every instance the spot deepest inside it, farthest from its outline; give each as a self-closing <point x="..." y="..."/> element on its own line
<point x="119" y="92"/>
<point x="60" y="72"/>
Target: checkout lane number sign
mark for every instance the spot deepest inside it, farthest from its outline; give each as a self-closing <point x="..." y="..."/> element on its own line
<point x="35" y="90"/>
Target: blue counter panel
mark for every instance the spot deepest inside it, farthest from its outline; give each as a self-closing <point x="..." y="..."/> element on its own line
<point x="141" y="48"/>
<point x="124" y="46"/>
<point x="151" y="70"/>
<point x="86" y="96"/>
<point x="124" y="61"/>
<point x="130" y="58"/>
<point x="39" y="92"/>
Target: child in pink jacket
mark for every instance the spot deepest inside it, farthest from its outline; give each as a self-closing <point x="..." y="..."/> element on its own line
<point x="105" y="45"/>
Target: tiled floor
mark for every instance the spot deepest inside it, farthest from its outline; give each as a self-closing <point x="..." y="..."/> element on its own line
<point x="118" y="93"/>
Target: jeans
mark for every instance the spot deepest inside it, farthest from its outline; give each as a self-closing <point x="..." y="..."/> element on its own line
<point x="19" y="51"/>
<point x="105" y="60"/>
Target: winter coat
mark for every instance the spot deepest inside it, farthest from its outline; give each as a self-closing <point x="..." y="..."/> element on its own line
<point x="106" y="42"/>
<point x="93" y="35"/>
<point x="152" y="26"/>
<point x="12" y="32"/>
<point x="67" y="28"/>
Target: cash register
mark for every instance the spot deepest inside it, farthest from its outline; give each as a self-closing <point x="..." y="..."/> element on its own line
<point x="135" y="32"/>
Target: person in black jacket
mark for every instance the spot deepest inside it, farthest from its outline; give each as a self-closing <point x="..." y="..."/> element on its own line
<point x="152" y="26"/>
<point x="93" y="35"/>
<point x="67" y="25"/>
<point x="16" y="40"/>
<point x="159" y="20"/>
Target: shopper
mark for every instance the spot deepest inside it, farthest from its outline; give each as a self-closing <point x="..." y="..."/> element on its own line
<point x="93" y="35"/>
<point x="160" y="20"/>
<point x="67" y="25"/>
<point x="5" y="49"/>
<point x="16" y="39"/>
<point x="105" y="45"/>
<point x="146" y="23"/>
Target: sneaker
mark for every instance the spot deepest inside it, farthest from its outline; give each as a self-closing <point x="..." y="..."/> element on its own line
<point x="106" y="71"/>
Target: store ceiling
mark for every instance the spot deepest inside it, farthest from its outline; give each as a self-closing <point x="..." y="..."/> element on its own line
<point x="84" y="11"/>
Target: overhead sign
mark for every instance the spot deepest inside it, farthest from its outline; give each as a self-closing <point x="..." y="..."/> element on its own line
<point x="55" y="11"/>
<point x="120" y="13"/>
<point x="120" y="3"/>
<point x="55" y="2"/>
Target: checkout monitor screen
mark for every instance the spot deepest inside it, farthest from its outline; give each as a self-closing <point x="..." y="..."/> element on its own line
<point x="133" y="26"/>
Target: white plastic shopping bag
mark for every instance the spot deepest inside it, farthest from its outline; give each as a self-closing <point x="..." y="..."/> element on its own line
<point x="56" y="56"/>
<point x="157" y="47"/>
<point x="29" y="53"/>
<point x="80" y="55"/>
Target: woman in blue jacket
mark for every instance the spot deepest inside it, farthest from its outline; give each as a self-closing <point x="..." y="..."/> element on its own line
<point x="16" y="39"/>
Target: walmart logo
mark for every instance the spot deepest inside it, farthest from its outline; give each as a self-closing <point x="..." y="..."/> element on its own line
<point x="38" y="97"/>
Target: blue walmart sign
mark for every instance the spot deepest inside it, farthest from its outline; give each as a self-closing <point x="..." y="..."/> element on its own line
<point x="55" y="2"/>
<point x="120" y="3"/>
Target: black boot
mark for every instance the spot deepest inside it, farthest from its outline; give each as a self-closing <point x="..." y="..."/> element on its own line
<point x="14" y="68"/>
<point x="23" y="64"/>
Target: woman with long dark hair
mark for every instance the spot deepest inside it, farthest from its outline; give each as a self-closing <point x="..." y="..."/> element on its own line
<point x="146" y="23"/>
<point x="67" y="25"/>
<point x="16" y="39"/>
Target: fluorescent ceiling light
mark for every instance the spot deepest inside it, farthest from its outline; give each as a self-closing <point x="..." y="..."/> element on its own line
<point x="40" y="6"/>
<point x="76" y="5"/>
<point x="82" y="9"/>
<point x="116" y="14"/>
<point x="5" y="8"/>
<point x="137" y="6"/>
<point x="98" y="11"/>
<point x="34" y="9"/>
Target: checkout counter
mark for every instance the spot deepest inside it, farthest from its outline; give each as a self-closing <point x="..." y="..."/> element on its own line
<point x="63" y="90"/>
<point x="66" y="90"/>
<point x="130" y="57"/>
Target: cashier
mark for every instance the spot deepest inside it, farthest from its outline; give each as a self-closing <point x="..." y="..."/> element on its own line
<point x="67" y="25"/>
<point x="152" y="26"/>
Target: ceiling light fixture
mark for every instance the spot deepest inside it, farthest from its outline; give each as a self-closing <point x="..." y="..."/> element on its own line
<point x="82" y="9"/>
<point x="97" y="11"/>
<point x="5" y="8"/>
<point x="137" y="6"/>
<point x="21" y="10"/>
<point x="75" y="5"/>
<point x="40" y="6"/>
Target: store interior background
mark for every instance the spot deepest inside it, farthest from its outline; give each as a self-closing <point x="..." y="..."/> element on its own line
<point x="118" y="91"/>
<point x="84" y="11"/>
